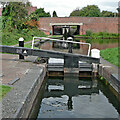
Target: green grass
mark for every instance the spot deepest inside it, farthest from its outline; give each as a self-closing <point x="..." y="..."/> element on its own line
<point x="11" y="38"/>
<point x="111" y="55"/>
<point x="55" y="36"/>
<point x="28" y="45"/>
<point x="100" y="35"/>
<point x="4" y="90"/>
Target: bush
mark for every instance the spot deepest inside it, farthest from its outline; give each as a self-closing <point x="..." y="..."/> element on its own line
<point x="103" y="34"/>
<point x="88" y="32"/>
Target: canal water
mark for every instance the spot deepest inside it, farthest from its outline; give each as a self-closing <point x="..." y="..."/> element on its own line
<point x="80" y="48"/>
<point x="73" y="97"/>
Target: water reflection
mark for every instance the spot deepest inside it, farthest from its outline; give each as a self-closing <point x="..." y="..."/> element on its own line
<point x="71" y="97"/>
<point x="79" y="48"/>
<point x="101" y="43"/>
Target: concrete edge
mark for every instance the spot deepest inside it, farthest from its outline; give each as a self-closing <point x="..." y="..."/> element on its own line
<point x="25" y="108"/>
<point x="111" y="78"/>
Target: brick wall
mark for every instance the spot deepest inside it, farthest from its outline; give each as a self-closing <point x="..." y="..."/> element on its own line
<point x="95" y="24"/>
<point x="31" y="9"/>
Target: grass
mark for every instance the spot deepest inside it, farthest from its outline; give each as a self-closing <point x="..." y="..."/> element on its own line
<point x="4" y="90"/>
<point x="55" y="36"/>
<point x="11" y="38"/>
<point x="99" y="41"/>
<point x="28" y="45"/>
<point x="100" y="35"/>
<point x="111" y="55"/>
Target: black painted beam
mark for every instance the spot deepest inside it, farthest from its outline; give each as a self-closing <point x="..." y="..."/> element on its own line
<point x="46" y="53"/>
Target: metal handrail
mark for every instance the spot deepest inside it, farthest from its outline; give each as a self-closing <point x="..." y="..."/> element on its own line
<point x="62" y="41"/>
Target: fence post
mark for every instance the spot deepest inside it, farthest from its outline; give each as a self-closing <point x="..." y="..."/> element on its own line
<point x="21" y="44"/>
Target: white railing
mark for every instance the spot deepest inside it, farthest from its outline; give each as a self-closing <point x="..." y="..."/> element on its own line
<point x="44" y="38"/>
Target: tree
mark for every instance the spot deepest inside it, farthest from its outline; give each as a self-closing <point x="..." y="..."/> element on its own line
<point x="14" y="15"/>
<point x="32" y="24"/>
<point x="54" y="14"/>
<point x="41" y="13"/>
<point x="89" y="11"/>
<point x="118" y="9"/>
<point x="107" y="14"/>
<point x="38" y="13"/>
<point x="75" y="12"/>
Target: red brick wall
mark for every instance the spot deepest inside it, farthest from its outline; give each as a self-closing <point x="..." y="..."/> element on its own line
<point x="95" y="24"/>
<point x="31" y="9"/>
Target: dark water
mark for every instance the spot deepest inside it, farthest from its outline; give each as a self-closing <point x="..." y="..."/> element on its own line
<point x="73" y="97"/>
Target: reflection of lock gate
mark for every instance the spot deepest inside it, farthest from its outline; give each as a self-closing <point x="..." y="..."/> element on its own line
<point x="70" y="87"/>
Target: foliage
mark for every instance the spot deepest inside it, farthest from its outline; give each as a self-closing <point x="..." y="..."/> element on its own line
<point x="14" y="15"/>
<point x="11" y="38"/>
<point x="4" y="90"/>
<point x="32" y="24"/>
<point x="88" y="32"/>
<point x="41" y="13"/>
<point x="101" y="78"/>
<point x="17" y="23"/>
<point x="111" y="55"/>
<point x="0" y="28"/>
<point x="107" y="14"/>
<point x="75" y="12"/>
<point x="54" y="14"/>
<point x="89" y="11"/>
<point x="33" y="16"/>
<point x="118" y="9"/>
<point x="38" y="13"/>
<point x="92" y="11"/>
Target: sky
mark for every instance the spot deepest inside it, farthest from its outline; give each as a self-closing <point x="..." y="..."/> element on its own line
<point x="65" y="7"/>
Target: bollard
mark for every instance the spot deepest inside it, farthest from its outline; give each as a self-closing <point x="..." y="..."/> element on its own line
<point x="70" y="44"/>
<point x="21" y="44"/>
<point x="96" y="54"/>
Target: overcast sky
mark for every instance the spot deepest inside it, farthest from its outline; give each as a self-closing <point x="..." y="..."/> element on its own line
<point x="65" y="7"/>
